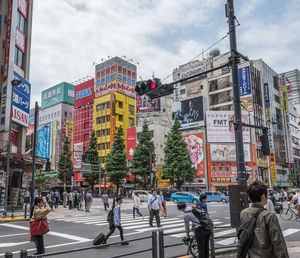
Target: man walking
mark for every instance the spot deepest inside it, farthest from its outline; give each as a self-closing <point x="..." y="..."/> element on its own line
<point x="57" y="196"/>
<point x="296" y="201"/>
<point x="70" y="198"/>
<point x="105" y="200"/>
<point x="65" y="199"/>
<point x="89" y="200"/>
<point x="117" y="221"/>
<point x="80" y="199"/>
<point x="202" y="234"/>
<point x="268" y="241"/>
<point x="154" y="206"/>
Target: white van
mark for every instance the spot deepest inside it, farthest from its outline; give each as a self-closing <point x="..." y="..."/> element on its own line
<point x="143" y="194"/>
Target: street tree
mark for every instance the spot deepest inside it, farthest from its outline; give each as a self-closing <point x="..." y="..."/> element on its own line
<point x="115" y="163"/>
<point x="27" y="144"/>
<point x="65" y="163"/>
<point x="91" y="157"/>
<point x="141" y="157"/>
<point x="42" y="180"/>
<point x="178" y="166"/>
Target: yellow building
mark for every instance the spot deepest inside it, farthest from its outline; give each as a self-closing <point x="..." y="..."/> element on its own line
<point x="114" y="103"/>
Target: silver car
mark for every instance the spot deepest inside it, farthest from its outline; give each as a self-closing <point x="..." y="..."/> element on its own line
<point x="143" y="194"/>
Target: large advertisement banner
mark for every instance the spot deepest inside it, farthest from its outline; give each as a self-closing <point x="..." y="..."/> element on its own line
<point x="131" y="142"/>
<point x="245" y="81"/>
<point x="192" y="72"/>
<point x="192" y="88"/>
<point x="220" y="126"/>
<point x="44" y="141"/>
<point x="195" y="147"/>
<point x="145" y="105"/>
<point x="125" y="89"/>
<point x="227" y="153"/>
<point x="189" y="112"/>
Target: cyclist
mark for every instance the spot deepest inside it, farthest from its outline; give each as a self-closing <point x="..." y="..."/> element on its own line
<point x="201" y="234"/>
<point x="296" y="201"/>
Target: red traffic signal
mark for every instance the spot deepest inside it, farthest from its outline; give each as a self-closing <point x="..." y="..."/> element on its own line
<point x="289" y="166"/>
<point x="146" y="87"/>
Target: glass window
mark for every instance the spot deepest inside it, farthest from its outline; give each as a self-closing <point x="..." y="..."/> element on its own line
<point x="182" y="91"/>
<point x="98" y="133"/>
<point x="108" y="145"/>
<point x="66" y="113"/>
<point x="107" y="118"/>
<point x="121" y="118"/>
<point x="21" y="22"/>
<point x="108" y="105"/>
<point x="98" y="120"/>
<point x="107" y="131"/>
<point x="131" y="121"/>
<point x="120" y="104"/>
<point x="58" y="90"/>
<point x="131" y="110"/>
<point x="208" y="193"/>
<point x="86" y="125"/>
<point x="18" y="57"/>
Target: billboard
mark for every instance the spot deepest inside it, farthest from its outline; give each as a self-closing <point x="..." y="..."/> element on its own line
<point x="245" y="81"/>
<point x="145" y="105"/>
<point x="125" y="89"/>
<point x="43" y="141"/>
<point x="191" y="72"/>
<point x="30" y="127"/>
<point x="226" y="153"/>
<point x="84" y="93"/>
<point x="266" y="95"/>
<point x="189" y="112"/>
<point x="192" y="88"/>
<point x="21" y="101"/>
<point x="220" y="126"/>
<point x="195" y="147"/>
<point x="131" y="142"/>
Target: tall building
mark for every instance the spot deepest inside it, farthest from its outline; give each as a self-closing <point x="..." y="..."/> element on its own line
<point x="15" y="36"/>
<point x="291" y="79"/>
<point x="114" y="103"/>
<point x="83" y="124"/>
<point x="55" y="121"/>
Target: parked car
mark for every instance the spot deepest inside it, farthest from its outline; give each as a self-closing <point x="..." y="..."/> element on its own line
<point x="185" y="197"/>
<point x="167" y="193"/>
<point x="277" y="196"/>
<point x="213" y="196"/>
<point x="143" y="194"/>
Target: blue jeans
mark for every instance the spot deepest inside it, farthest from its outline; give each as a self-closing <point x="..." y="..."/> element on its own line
<point x="137" y="211"/>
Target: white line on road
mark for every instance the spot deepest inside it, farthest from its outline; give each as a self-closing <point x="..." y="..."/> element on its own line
<point x="226" y="232"/>
<point x="227" y="241"/>
<point x="151" y="228"/>
<point x="289" y="231"/>
<point x="143" y="226"/>
<point x="19" y="234"/>
<point x="12" y="244"/>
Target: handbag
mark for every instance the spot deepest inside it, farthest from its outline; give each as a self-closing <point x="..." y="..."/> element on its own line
<point x="39" y="227"/>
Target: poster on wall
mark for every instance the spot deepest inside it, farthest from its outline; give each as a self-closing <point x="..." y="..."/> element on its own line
<point x="220" y="126"/>
<point x="227" y="153"/>
<point x="145" y="105"/>
<point x="195" y="147"/>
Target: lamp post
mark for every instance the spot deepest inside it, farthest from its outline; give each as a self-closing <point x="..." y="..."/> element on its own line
<point x="150" y="168"/>
<point x="14" y="82"/>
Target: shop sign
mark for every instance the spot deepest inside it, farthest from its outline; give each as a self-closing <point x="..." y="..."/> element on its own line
<point x="262" y="163"/>
<point x="20" y="40"/>
<point x="245" y="81"/>
<point x="163" y="183"/>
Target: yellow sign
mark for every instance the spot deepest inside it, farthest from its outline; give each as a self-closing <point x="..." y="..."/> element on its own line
<point x="285" y="99"/>
<point x="163" y="183"/>
<point x="159" y="172"/>
<point x="273" y="168"/>
<point x="262" y="163"/>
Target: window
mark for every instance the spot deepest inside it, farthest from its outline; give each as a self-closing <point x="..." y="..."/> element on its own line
<point x="108" y="145"/>
<point x="182" y="91"/>
<point x="21" y="22"/>
<point x="66" y="113"/>
<point x="120" y="104"/>
<point x="58" y="90"/>
<point x="98" y="147"/>
<point x="131" y="110"/>
<point x="52" y="115"/>
<point x="131" y="121"/>
<point x="98" y="120"/>
<point x="86" y="137"/>
<point x="208" y="193"/>
<point x="107" y="131"/>
<point x="121" y="118"/>
<point x="107" y="118"/>
<point x="86" y="125"/>
<point x="98" y="133"/>
<point x="18" y="57"/>
<point x="108" y="105"/>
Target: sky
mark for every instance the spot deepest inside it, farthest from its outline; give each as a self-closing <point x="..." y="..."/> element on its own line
<point x="70" y="36"/>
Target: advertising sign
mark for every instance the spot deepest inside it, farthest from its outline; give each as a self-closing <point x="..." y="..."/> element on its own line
<point x="245" y="81"/>
<point x="273" y="167"/>
<point x="285" y="99"/>
<point x="247" y="103"/>
<point x="163" y="183"/>
<point x="195" y="147"/>
<point x="21" y="101"/>
<point x="145" y="105"/>
<point x="220" y="126"/>
<point x="189" y="112"/>
<point x="20" y="40"/>
<point x="267" y="95"/>
<point x="30" y="126"/>
<point x="53" y="146"/>
<point x="192" y="72"/>
<point x="176" y="93"/>
<point x="131" y="142"/>
<point x="192" y="88"/>
<point x="125" y="89"/>
<point x="44" y="141"/>
<point x="226" y="153"/>
<point x="23" y="7"/>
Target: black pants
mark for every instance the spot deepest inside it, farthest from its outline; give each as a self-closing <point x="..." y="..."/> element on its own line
<point x="106" y="205"/>
<point x="112" y="230"/>
<point x="39" y="243"/>
<point x="156" y="214"/>
<point x="137" y="211"/>
<point x="202" y="238"/>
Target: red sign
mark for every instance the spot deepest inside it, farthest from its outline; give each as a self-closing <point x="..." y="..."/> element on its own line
<point x="20" y="40"/>
<point x="23" y="7"/>
<point x="84" y="94"/>
<point x="131" y="142"/>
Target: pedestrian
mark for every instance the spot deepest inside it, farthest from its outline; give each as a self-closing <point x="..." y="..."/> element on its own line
<point x="268" y="241"/>
<point x="70" y="199"/>
<point x="65" y="199"/>
<point x="163" y="204"/>
<point x="285" y="196"/>
<point x="136" y="205"/>
<point x="85" y="202"/>
<point x="105" y="200"/>
<point x="38" y="212"/>
<point x="53" y="200"/>
<point x="57" y="197"/>
<point x="117" y="221"/>
<point x="80" y="200"/>
<point x="27" y="196"/>
<point x="89" y="200"/>
<point x="154" y="206"/>
<point x="203" y="200"/>
<point x="202" y="234"/>
<point x="296" y="201"/>
<point x="75" y="194"/>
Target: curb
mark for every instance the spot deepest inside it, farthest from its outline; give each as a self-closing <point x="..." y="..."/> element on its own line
<point x="8" y="220"/>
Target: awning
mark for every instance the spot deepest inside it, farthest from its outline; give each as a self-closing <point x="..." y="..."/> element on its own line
<point x="27" y="158"/>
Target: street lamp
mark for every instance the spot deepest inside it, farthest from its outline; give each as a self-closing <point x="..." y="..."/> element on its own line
<point x="14" y="82"/>
<point x="150" y="168"/>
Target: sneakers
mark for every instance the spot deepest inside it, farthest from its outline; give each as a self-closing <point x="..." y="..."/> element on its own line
<point x="124" y="243"/>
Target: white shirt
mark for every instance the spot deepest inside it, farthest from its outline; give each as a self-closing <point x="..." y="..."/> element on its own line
<point x="137" y="202"/>
<point x="269" y="206"/>
<point x="296" y="198"/>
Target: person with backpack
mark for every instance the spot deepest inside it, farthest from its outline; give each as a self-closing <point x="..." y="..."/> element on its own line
<point x="201" y="225"/>
<point x="202" y="204"/>
<point x="89" y="200"/>
<point x="114" y="220"/>
<point x="296" y="201"/>
<point x="260" y="235"/>
<point x="154" y="206"/>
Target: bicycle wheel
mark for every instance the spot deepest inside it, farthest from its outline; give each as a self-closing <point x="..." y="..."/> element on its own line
<point x="286" y="214"/>
<point x="193" y="247"/>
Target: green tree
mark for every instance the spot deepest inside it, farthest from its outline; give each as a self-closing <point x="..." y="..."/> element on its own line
<point x="91" y="157"/>
<point x="115" y="163"/>
<point x="65" y="163"/>
<point x="42" y="180"/>
<point x="141" y="157"/>
<point x="28" y="144"/>
<point x="178" y="165"/>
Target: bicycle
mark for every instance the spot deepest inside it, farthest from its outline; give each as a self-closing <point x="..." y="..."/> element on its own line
<point x="192" y="246"/>
<point x="287" y="213"/>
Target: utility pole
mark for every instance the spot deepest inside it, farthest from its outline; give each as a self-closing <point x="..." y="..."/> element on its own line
<point x="36" y="112"/>
<point x="241" y="171"/>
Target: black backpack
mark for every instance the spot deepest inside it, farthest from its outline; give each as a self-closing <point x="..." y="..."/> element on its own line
<point x="245" y="235"/>
<point x="110" y="216"/>
<point x="203" y="218"/>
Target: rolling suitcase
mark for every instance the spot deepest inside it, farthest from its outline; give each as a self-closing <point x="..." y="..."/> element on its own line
<point x="99" y="239"/>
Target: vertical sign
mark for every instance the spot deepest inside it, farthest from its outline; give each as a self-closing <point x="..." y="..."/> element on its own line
<point x="267" y="95"/>
<point x="131" y="142"/>
<point x="273" y="168"/>
<point x="245" y="81"/>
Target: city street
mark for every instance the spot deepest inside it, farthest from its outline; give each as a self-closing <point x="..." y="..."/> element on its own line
<point x="74" y="229"/>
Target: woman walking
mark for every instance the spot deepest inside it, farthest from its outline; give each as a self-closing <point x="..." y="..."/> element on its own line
<point x="137" y="205"/>
<point x="163" y="204"/>
<point x="37" y="213"/>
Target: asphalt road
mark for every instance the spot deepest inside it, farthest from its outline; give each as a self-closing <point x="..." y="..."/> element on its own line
<point x="75" y="229"/>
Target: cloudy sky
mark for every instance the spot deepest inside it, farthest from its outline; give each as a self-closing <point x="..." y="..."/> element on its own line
<point x="70" y="36"/>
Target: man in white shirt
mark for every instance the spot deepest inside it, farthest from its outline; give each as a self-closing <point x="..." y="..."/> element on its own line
<point x="296" y="200"/>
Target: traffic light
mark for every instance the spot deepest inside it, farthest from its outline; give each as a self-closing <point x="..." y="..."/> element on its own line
<point x="147" y="87"/>
<point x="264" y="138"/>
<point x="48" y="164"/>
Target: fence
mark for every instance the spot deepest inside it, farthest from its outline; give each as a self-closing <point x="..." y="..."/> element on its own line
<point x="157" y="250"/>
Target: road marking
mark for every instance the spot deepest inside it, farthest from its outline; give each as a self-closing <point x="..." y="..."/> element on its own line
<point x="164" y="223"/>
<point x="12" y="244"/>
<point x="151" y="228"/>
<point x="179" y="235"/>
<point x="19" y="234"/>
<point x="289" y="231"/>
<point x="130" y="222"/>
<point x="226" y="232"/>
<point x="218" y="222"/>
<point x="227" y="241"/>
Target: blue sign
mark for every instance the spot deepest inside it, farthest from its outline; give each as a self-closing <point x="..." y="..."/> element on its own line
<point x="245" y="81"/>
<point x="21" y="94"/>
<point x="44" y="141"/>
<point x="267" y="95"/>
<point x="83" y="93"/>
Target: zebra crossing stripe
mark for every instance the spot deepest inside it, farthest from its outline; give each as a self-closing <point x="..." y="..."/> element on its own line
<point x="228" y="241"/>
<point x="226" y="232"/>
<point x="141" y="226"/>
<point x="151" y="228"/>
<point x="289" y="231"/>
